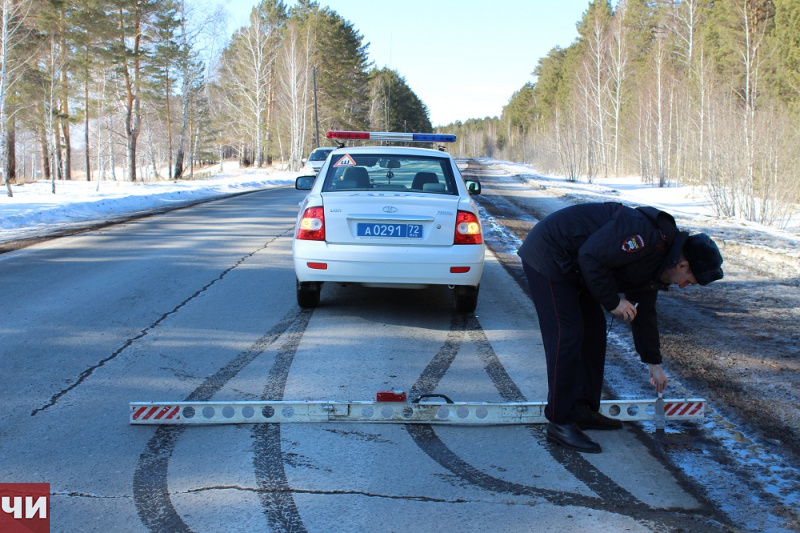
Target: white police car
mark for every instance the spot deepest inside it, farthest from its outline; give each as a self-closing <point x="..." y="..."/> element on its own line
<point x="388" y="216"/>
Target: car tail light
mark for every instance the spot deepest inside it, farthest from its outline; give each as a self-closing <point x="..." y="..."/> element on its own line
<point x="312" y="225"/>
<point x="468" y="229"/>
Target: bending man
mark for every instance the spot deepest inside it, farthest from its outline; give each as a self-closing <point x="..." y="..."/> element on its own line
<point x="580" y="260"/>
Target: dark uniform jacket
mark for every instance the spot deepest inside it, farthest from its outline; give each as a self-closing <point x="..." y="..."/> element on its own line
<point x="608" y="249"/>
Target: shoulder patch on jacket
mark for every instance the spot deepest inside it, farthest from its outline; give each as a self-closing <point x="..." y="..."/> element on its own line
<point x="633" y="244"/>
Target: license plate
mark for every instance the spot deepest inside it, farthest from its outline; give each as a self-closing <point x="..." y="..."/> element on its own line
<point x="408" y="231"/>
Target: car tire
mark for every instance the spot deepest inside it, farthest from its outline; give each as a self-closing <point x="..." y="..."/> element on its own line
<point x="308" y="293"/>
<point x="466" y="298"/>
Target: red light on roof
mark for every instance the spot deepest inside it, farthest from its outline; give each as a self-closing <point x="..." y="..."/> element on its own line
<point x="364" y="135"/>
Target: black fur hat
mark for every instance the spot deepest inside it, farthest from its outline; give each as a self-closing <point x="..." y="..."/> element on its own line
<point x="704" y="258"/>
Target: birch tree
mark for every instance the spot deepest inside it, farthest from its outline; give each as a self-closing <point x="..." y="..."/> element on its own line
<point x="194" y="26"/>
<point x="12" y="17"/>
<point x="294" y="96"/>
<point x="686" y="22"/>
<point x="246" y="72"/>
<point x="61" y="96"/>
<point x="595" y="30"/>
<point x="746" y="23"/>
<point x="618" y="71"/>
<point x="660" y="64"/>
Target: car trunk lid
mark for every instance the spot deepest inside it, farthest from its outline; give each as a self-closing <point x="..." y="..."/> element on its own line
<point x="404" y="219"/>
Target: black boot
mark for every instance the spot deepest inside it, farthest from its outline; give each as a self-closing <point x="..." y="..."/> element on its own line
<point x="586" y="418"/>
<point x="570" y="436"/>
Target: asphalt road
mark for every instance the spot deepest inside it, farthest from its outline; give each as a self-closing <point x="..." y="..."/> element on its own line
<point x="199" y="304"/>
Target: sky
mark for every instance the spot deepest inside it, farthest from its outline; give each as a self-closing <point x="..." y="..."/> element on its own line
<point x="463" y="58"/>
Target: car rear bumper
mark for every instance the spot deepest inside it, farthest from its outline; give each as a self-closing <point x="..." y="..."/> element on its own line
<point x="388" y="266"/>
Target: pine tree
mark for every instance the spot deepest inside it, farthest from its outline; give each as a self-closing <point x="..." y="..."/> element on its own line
<point x="341" y="60"/>
<point x="88" y="30"/>
<point x="245" y="81"/>
<point x="163" y="70"/>
<point x="786" y="50"/>
<point x="551" y="91"/>
<point x="131" y="53"/>
<point x="394" y="106"/>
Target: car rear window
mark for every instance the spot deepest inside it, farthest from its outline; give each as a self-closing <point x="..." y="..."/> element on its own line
<point x="376" y="172"/>
<point x="319" y="155"/>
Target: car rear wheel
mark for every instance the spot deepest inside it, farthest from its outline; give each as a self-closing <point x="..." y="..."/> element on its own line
<point x="466" y="298"/>
<point x="308" y="293"/>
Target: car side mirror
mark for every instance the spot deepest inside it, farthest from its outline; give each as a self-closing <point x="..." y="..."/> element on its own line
<point x="473" y="187"/>
<point x="304" y="183"/>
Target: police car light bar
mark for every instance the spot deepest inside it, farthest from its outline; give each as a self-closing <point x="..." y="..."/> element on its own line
<point x="392" y="136"/>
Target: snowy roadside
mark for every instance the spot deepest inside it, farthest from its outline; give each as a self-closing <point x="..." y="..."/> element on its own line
<point x="770" y="251"/>
<point x="35" y="212"/>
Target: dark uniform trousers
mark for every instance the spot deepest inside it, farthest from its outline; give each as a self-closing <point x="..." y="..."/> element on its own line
<point x="573" y="327"/>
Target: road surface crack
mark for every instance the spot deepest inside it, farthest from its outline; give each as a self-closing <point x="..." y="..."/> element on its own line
<point x="83" y="376"/>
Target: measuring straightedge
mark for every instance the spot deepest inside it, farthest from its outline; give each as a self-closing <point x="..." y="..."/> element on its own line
<point x="392" y="407"/>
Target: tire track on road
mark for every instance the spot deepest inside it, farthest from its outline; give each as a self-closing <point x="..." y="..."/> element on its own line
<point x="611" y="497"/>
<point x="277" y="497"/>
<point x="150" y="480"/>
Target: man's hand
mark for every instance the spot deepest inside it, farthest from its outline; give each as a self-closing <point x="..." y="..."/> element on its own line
<point x="658" y="378"/>
<point x="625" y="310"/>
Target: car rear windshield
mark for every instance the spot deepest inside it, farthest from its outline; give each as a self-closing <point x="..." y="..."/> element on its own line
<point x="361" y="172"/>
<point x="319" y="155"/>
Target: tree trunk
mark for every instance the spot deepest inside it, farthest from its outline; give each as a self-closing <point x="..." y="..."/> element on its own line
<point x="192" y="146"/>
<point x="130" y="153"/>
<point x="3" y="91"/>
<point x="111" y="153"/>
<point x="131" y="73"/>
<point x="11" y="150"/>
<point x="45" y="152"/>
<point x="65" y="107"/>
<point x="86" y="127"/>
<point x="660" y="57"/>
<point x="58" y="161"/>
<point x="169" y="125"/>
<point x="184" y="127"/>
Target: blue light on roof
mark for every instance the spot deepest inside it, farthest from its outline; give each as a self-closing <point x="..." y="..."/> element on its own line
<point x="434" y="137"/>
